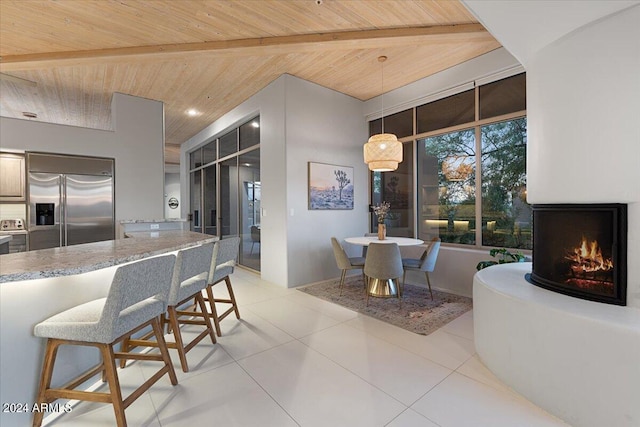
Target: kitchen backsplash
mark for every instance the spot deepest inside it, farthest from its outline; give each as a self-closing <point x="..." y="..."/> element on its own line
<point x="13" y="211"/>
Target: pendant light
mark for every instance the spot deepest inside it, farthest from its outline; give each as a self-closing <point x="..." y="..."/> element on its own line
<point x="383" y="151"/>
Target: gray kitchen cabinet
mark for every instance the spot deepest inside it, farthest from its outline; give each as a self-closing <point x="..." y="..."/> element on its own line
<point x="12" y="177"/>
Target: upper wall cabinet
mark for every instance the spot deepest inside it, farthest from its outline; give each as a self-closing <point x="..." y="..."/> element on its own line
<point x="12" y="178"/>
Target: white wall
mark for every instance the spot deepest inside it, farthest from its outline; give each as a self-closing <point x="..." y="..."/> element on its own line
<point x="323" y="126"/>
<point x="136" y="143"/>
<point x="583" y="110"/>
<point x="172" y="189"/>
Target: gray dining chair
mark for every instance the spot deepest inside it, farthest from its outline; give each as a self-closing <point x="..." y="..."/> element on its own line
<point x="137" y="297"/>
<point x="426" y="263"/>
<point x="364" y="248"/>
<point x="345" y="262"/>
<point x="383" y="263"/>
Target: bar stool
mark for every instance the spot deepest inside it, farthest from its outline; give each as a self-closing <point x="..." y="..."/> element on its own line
<point x="189" y="280"/>
<point x="137" y="297"/>
<point x="224" y="259"/>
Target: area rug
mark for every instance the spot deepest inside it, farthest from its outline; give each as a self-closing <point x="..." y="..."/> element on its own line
<point x="418" y="313"/>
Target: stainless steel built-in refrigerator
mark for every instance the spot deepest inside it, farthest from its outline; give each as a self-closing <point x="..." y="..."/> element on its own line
<point x="71" y="200"/>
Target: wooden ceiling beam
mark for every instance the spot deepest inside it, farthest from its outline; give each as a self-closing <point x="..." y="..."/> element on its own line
<point x="244" y="47"/>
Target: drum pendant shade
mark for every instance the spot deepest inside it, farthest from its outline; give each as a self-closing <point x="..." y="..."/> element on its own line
<point x="383" y="152"/>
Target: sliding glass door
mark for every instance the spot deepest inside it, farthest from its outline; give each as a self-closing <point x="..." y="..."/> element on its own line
<point x="249" y="174"/>
<point x="229" y="197"/>
<point x="225" y="190"/>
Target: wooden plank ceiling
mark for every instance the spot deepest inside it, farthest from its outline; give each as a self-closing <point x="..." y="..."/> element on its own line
<point x="211" y="55"/>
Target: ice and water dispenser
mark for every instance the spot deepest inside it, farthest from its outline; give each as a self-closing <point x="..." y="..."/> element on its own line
<point x="45" y="213"/>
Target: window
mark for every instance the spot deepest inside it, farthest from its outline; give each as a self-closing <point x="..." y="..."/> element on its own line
<point x="396" y="188"/>
<point x="470" y="168"/>
<point x="447" y="178"/>
<point x="443" y="113"/>
<point x="228" y="143"/>
<point x="250" y="133"/>
<point x="400" y="124"/>
<point x="506" y="216"/>
<point x="503" y="97"/>
<point x="209" y="152"/>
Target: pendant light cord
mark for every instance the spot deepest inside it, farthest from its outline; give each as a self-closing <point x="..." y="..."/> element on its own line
<point x="381" y="59"/>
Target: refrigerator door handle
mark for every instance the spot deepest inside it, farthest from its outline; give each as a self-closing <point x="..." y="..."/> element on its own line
<point x="63" y="211"/>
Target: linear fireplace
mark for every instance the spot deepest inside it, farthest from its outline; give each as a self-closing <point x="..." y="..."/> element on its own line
<point x="581" y="250"/>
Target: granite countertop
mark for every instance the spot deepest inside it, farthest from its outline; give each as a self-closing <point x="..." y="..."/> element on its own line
<point x="87" y="257"/>
<point x="144" y="221"/>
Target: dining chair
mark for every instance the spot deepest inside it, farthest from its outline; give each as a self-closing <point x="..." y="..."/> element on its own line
<point x="383" y="263"/>
<point x="345" y="262"/>
<point x="364" y="248"/>
<point x="137" y="297"/>
<point x="426" y="263"/>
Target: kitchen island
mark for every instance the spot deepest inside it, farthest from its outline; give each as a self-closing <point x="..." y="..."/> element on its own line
<point x="38" y="284"/>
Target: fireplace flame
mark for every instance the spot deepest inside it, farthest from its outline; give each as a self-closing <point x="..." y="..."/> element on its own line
<point x="587" y="258"/>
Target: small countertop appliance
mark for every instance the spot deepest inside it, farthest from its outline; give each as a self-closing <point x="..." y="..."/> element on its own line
<point x="12" y="225"/>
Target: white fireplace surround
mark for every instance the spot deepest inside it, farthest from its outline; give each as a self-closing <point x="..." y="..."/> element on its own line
<point x="578" y="359"/>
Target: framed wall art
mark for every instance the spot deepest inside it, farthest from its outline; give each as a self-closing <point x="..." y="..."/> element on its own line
<point x="330" y="187"/>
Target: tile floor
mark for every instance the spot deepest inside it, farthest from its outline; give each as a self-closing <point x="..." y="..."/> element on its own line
<point x="295" y="360"/>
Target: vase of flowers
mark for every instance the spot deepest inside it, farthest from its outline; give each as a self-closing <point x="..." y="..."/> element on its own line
<point x="381" y="211"/>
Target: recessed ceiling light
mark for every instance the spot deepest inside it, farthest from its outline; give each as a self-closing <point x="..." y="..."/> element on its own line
<point x="255" y="124"/>
<point x="192" y="112"/>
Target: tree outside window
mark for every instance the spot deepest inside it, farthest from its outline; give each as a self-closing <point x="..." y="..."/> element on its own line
<point x="447" y="172"/>
<point x="506" y="215"/>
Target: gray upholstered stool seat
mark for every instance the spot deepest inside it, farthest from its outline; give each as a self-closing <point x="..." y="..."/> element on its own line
<point x="345" y="262"/>
<point x="189" y="279"/>
<point x="225" y="253"/>
<point x="137" y="297"/>
<point x="82" y="323"/>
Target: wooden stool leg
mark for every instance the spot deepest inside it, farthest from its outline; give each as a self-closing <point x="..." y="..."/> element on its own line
<point x="114" y="384"/>
<point x="124" y="347"/>
<point x="45" y="378"/>
<point x="175" y="327"/>
<point x="205" y="317"/>
<point x="214" y="312"/>
<point x="164" y="351"/>
<point x="233" y="297"/>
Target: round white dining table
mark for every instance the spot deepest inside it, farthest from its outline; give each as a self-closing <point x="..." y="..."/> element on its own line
<point x="400" y="241"/>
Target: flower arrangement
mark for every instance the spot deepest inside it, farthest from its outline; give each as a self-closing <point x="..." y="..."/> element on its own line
<point x="382" y="210"/>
